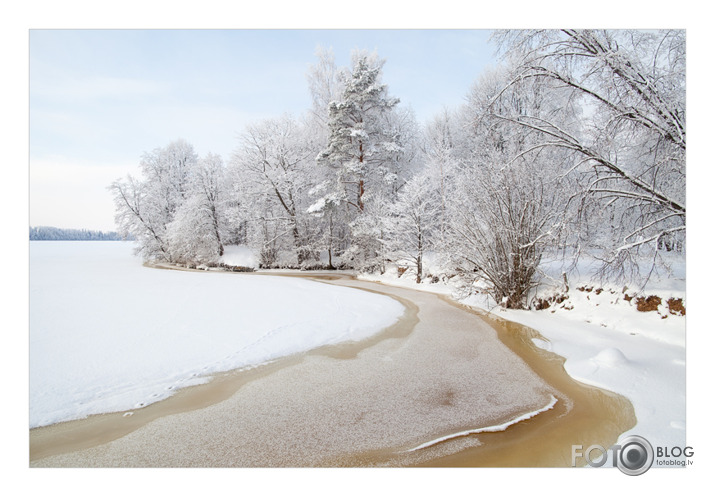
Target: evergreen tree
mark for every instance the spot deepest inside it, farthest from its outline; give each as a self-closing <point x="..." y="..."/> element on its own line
<point x="364" y="148"/>
<point x="360" y="146"/>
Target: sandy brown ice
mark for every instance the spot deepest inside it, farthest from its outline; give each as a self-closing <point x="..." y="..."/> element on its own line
<point x="441" y="370"/>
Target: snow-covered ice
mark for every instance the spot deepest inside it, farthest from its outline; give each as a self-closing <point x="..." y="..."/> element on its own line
<point x="108" y="334"/>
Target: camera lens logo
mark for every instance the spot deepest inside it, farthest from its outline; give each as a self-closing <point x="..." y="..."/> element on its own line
<point x="635" y="456"/>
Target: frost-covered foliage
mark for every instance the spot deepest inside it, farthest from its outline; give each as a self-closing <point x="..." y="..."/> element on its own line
<point x="362" y="145"/>
<point x="175" y="211"/>
<point x="414" y="222"/>
<point x="196" y="233"/>
<point x="136" y="216"/>
<point x="366" y="157"/>
<point x="274" y="171"/>
<point x="574" y="144"/>
<point x="502" y="218"/>
<point x="628" y="152"/>
<point x="505" y="207"/>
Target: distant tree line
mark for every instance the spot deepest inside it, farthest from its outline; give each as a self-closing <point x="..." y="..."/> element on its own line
<point x="52" y="233"/>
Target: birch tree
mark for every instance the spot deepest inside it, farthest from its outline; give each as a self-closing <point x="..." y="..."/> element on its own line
<point x="506" y="207"/>
<point x="145" y="207"/>
<point x="631" y="153"/>
<point x="197" y="232"/>
<point x="275" y="165"/>
<point x="413" y="226"/>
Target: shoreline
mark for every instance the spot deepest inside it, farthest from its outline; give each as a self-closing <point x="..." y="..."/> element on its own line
<point x="77" y="434"/>
<point x="582" y="415"/>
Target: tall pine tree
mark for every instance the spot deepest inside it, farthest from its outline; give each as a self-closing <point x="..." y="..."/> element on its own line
<point x="361" y="145"/>
<point x="363" y="151"/>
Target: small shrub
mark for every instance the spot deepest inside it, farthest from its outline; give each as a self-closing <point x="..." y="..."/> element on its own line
<point x="648" y="304"/>
<point x="541" y="304"/>
<point x="676" y="307"/>
<point x="560" y="298"/>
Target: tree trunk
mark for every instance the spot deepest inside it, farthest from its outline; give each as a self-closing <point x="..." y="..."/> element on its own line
<point x="419" y="258"/>
<point x="214" y="219"/>
<point x="361" y="185"/>
<point x="300" y="250"/>
<point x="361" y="192"/>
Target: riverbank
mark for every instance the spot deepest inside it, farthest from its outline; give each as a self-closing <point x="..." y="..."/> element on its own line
<point x="608" y="338"/>
<point x="440" y="373"/>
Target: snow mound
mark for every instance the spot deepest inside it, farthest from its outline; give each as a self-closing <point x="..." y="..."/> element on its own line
<point x="610" y="357"/>
<point x="542" y="344"/>
<point x="239" y="255"/>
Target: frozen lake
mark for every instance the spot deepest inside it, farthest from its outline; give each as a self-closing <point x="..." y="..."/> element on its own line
<point x="108" y="334"/>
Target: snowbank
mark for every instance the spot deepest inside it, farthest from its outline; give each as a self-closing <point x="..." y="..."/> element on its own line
<point x="239" y="255"/>
<point x="635" y="354"/>
<point x="108" y="334"/>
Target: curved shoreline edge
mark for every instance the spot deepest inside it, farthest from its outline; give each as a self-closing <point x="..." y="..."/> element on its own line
<point x="78" y="434"/>
<point x="491" y="451"/>
<point x="488" y="429"/>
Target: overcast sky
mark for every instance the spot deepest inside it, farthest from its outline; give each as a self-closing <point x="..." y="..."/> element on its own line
<point x="100" y="98"/>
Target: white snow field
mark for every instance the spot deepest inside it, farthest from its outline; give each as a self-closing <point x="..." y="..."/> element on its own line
<point x="108" y="334"/>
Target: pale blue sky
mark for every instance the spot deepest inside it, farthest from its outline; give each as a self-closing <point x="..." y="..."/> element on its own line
<point x="100" y="98"/>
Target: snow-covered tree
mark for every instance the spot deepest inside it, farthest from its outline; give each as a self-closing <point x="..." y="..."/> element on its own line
<point x="326" y="83"/>
<point x="330" y="214"/>
<point x="502" y="218"/>
<point x="275" y="167"/>
<point x="361" y="148"/>
<point x="167" y="173"/>
<point x="137" y="216"/>
<point x="196" y="234"/>
<point x="444" y="143"/>
<point x="414" y="221"/>
<point x="506" y="208"/>
<point x="631" y="153"/>
<point x="367" y="157"/>
<point x="145" y="208"/>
